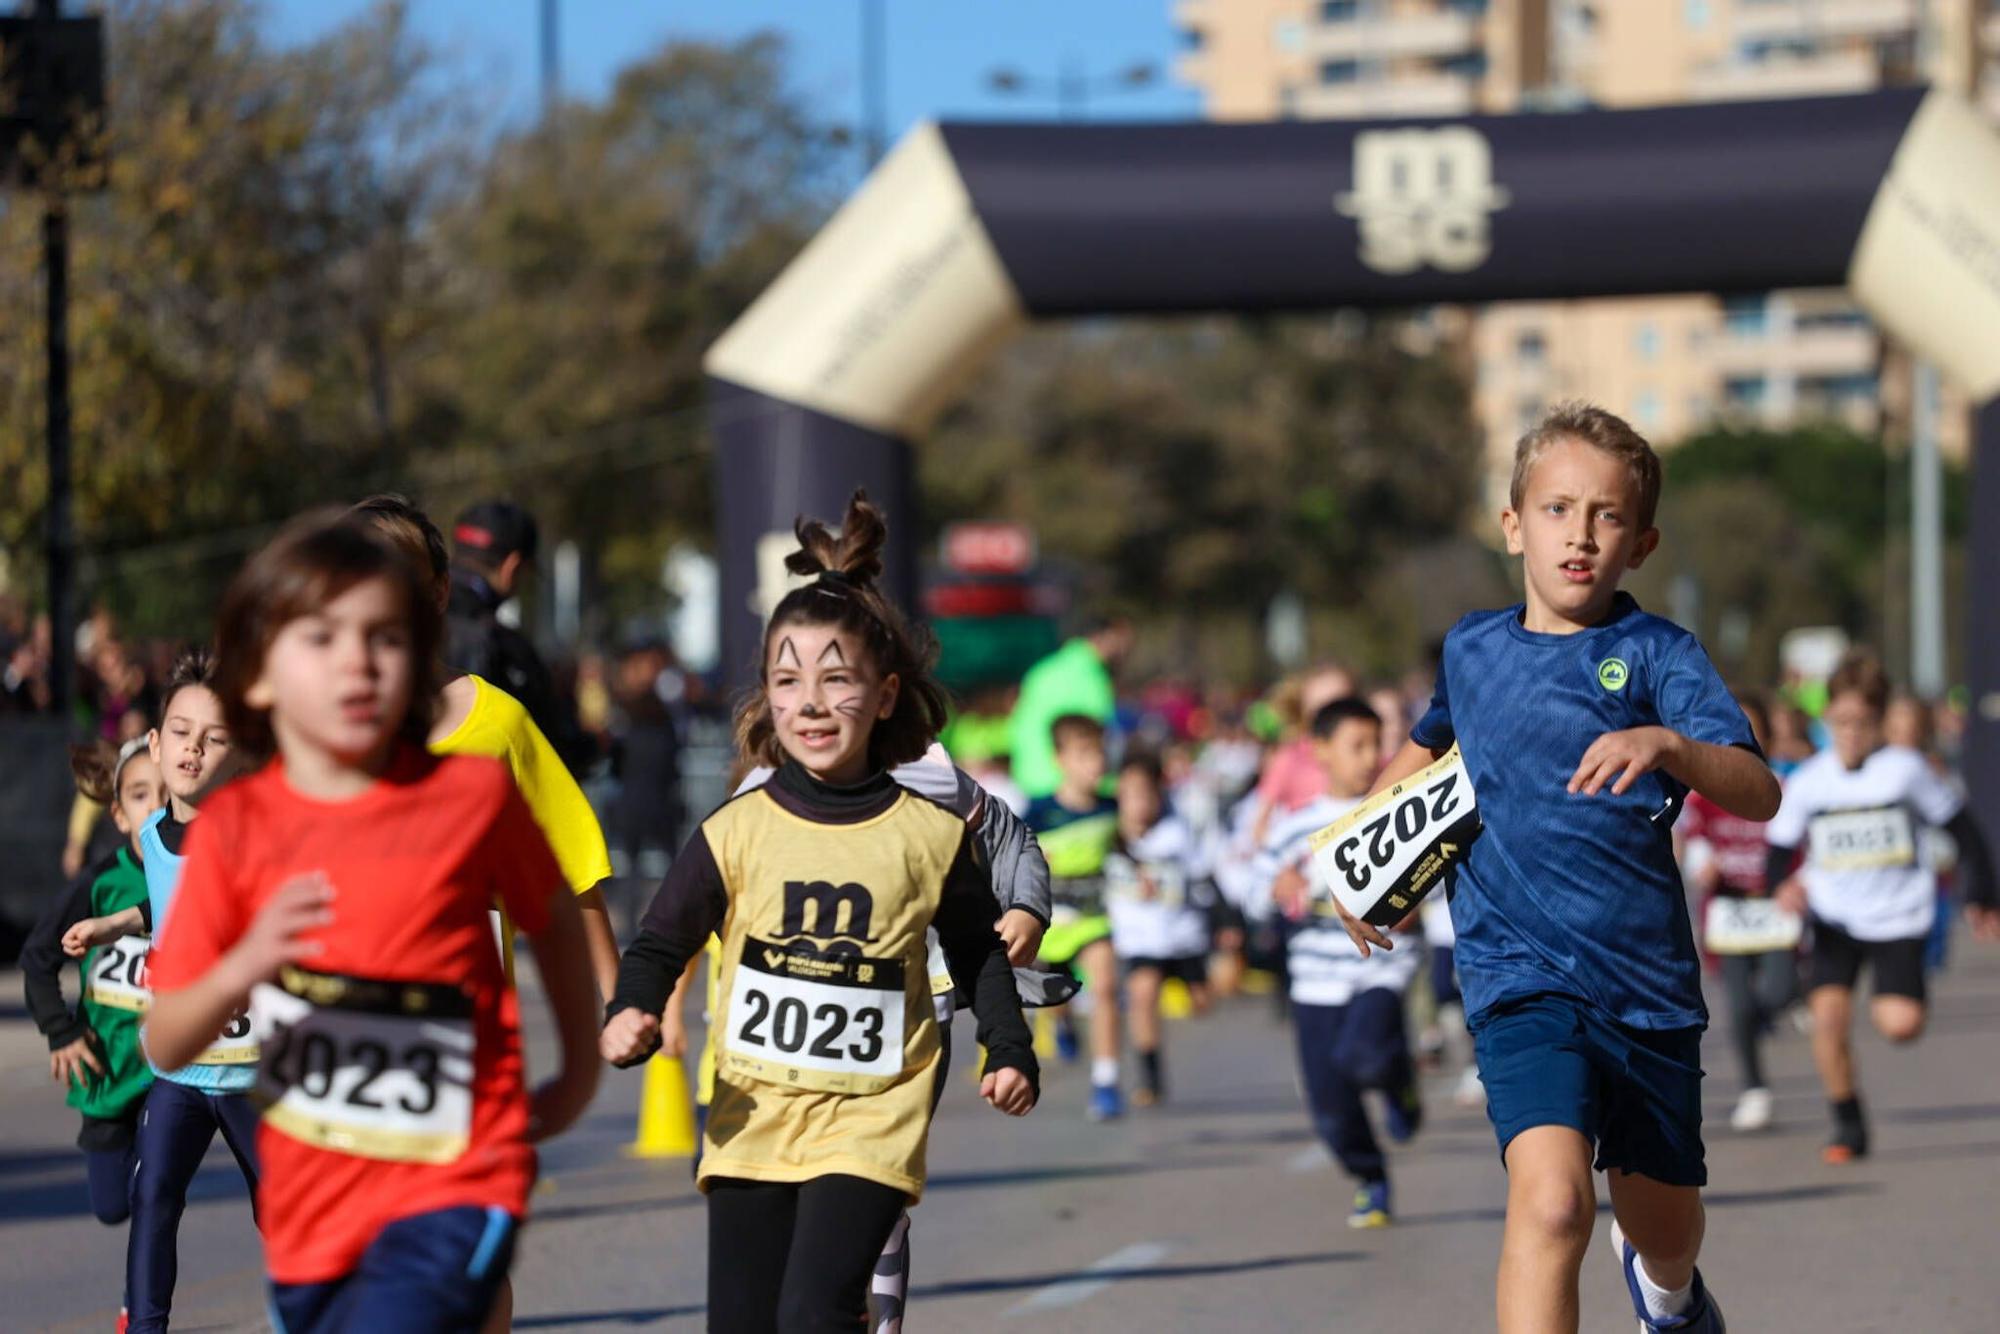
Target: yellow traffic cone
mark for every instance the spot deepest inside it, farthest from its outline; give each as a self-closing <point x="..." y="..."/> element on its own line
<point x="1175" y="1003"/>
<point x="666" y="1114"/>
<point x="1045" y="1035"/>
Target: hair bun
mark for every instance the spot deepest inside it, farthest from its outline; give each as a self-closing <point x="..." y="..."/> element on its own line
<point x="853" y="555"/>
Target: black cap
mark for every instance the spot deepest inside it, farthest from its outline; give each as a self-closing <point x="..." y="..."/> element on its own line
<point x="493" y="530"/>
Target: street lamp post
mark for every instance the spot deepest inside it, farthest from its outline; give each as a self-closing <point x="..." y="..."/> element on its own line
<point x="1073" y="88"/>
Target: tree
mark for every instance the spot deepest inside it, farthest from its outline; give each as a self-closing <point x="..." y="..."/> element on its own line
<point x="240" y="295"/>
<point x="1200" y="469"/>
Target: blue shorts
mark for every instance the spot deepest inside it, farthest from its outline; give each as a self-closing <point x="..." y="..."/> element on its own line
<point x="1634" y="1094"/>
<point x="432" y="1271"/>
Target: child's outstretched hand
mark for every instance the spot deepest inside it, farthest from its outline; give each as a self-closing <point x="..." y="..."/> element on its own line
<point x="88" y="934"/>
<point x="277" y="934"/>
<point x="1361" y="933"/>
<point x="629" y="1037"/>
<point x="1009" y="1091"/>
<point x="1620" y="758"/>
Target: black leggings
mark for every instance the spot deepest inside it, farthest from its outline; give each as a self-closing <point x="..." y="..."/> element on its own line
<point x="795" y="1257"/>
<point x="1760" y="987"/>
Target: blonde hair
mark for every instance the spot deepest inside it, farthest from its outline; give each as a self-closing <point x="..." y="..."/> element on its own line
<point x="1601" y="430"/>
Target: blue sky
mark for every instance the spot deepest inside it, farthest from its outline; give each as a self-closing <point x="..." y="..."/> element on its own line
<point x="939" y="51"/>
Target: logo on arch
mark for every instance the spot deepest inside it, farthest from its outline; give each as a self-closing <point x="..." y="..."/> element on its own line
<point x="1612" y="674"/>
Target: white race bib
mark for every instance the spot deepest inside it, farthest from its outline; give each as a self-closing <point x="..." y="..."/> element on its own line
<point x="1124" y="881"/>
<point x="118" y="975"/>
<point x="238" y="1044"/>
<point x="1382" y="857"/>
<point x="830" y="1022"/>
<point x="1863" y="840"/>
<point x="1750" y="926"/>
<point x="373" y="1068"/>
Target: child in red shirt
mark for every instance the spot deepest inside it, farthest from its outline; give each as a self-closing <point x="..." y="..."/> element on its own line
<point x="348" y="885"/>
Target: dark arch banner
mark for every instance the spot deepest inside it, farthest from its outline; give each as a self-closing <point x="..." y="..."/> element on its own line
<point x="967" y="231"/>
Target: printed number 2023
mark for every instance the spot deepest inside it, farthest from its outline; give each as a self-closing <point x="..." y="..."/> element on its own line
<point x="1405" y="821"/>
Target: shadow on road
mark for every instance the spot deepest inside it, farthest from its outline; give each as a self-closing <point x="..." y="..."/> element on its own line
<point x="1970" y="1111"/>
<point x="1985" y="1149"/>
<point x="638" y="1315"/>
<point x="974" y="1286"/>
<point x="1030" y="1176"/>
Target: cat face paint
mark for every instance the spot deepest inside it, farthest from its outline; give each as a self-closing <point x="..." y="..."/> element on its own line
<point x="824" y="714"/>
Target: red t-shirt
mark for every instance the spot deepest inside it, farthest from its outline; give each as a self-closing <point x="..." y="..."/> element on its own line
<point x="416" y="863"/>
<point x="1738" y="844"/>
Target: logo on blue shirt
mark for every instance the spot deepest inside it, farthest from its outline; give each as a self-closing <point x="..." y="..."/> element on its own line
<point x="1612" y="674"/>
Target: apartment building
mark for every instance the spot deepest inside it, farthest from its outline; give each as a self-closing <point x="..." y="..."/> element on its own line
<point x="1672" y="364"/>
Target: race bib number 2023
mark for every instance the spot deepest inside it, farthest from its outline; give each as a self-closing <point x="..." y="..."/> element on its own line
<point x="830" y="1022"/>
<point x="1382" y="857"/>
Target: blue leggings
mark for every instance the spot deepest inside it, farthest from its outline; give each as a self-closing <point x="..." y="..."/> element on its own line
<point x="1344" y="1049"/>
<point x="108" y="1172"/>
<point x="175" y="1130"/>
<point x="425" y="1273"/>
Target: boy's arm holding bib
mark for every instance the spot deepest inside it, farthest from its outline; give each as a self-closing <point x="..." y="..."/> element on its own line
<point x="1410" y="761"/>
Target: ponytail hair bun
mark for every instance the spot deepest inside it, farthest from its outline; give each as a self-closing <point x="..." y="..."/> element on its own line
<point x="852" y="556"/>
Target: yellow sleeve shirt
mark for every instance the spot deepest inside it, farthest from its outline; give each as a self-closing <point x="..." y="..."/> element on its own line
<point x="498" y="727"/>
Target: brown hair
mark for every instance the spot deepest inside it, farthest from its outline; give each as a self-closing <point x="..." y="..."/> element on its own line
<point x="1078" y="727"/>
<point x="91" y="765"/>
<point x="313" y="560"/>
<point x="408" y="529"/>
<point x="1600" y="430"/>
<point x="844" y="567"/>
<point x="191" y="667"/>
<point x="1859" y="672"/>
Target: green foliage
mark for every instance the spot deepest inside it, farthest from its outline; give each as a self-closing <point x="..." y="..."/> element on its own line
<point x="1774" y="530"/>
<point x="1192" y="471"/>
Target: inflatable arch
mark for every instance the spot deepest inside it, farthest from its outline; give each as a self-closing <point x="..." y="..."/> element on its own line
<point x="967" y="231"/>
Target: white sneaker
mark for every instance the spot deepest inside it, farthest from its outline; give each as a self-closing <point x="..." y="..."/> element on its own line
<point x="1471" y="1092"/>
<point x="1753" y="1112"/>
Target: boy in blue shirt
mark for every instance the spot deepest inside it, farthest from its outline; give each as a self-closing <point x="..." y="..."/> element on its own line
<point x="1584" y="722"/>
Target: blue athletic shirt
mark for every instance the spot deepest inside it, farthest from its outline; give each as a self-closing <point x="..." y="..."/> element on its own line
<point x="163" y="877"/>
<point x="1573" y="894"/>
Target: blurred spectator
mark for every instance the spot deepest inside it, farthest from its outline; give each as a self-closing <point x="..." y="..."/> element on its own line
<point x="24" y="682"/>
<point x="1791" y="737"/>
<point x="493" y="544"/>
<point x="649" y="692"/>
<point x="1077" y="678"/>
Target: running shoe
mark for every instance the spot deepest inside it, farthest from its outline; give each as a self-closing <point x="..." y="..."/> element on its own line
<point x="1106" y="1102"/>
<point x="1753" y="1112"/>
<point x="1703" y="1316"/>
<point x="1404" y="1109"/>
<point x="1371" y="1206"/>
<point x="1066" y="1045"/>
<point x="1471" y="1091"/>
<point x="1850" y="1141"/>
<point x="1145" y="1097"/>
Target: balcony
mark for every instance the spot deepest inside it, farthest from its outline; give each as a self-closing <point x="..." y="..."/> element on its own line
<point x="1427" y="95"/>
<point x="1820" y="353"/>
<point x="1439" y="34"/>
<point x="1823" y="19"/>
<point x="1788" y="76"/>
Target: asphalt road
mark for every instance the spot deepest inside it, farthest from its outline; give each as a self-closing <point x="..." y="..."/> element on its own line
<point x="1216" y="1211"/>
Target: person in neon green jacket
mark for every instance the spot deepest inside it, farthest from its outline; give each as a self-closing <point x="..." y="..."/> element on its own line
<point x="1075" y="679"/>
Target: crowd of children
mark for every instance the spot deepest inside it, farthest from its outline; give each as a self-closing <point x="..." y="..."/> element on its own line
<point x="310" y="966"/>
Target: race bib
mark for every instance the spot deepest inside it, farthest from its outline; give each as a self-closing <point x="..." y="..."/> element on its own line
<point x="376" y="1069"/>
<point x="1863" y="840"/>
<point x="1125" y="881"/>
<point x="830" y="1022"/>
<point x="238" y="1044"/>
<point x="118" y="975"/>
<point x="1750" y="926"/>
<point x="1382" y="857"/>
